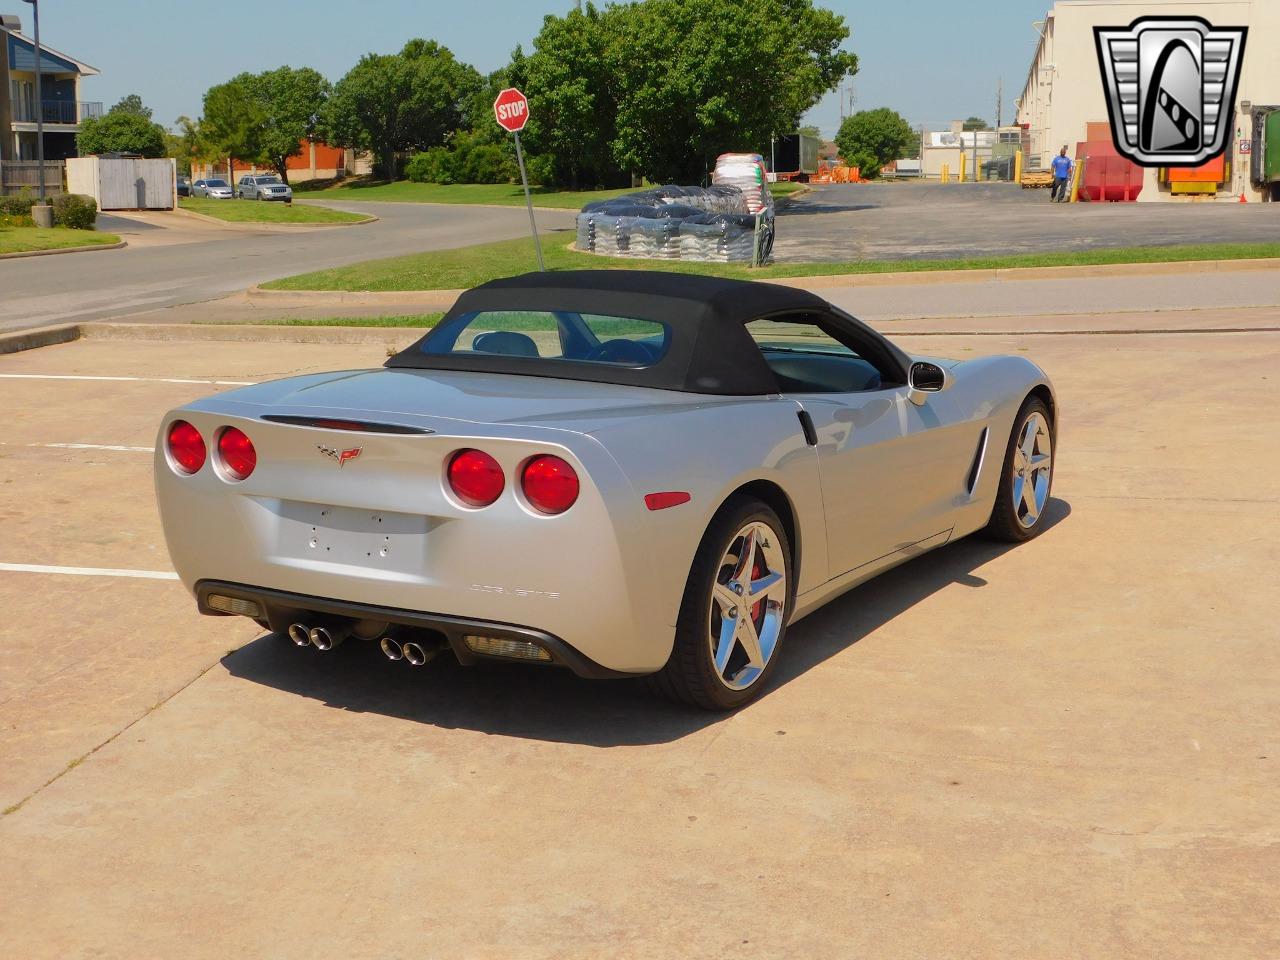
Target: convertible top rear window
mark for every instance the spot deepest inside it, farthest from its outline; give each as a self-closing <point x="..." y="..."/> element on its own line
<point x="554" y="336"/>
<point x="637" y="328"/>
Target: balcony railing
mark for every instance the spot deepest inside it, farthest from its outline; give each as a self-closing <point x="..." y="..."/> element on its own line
<point x="55" y="111"/>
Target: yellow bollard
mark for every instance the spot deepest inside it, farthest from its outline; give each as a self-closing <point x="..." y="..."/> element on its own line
<point x="1017" y="167"/>
<point x="1075" y="181"/>
<point x="946" y="173"/>
<point x="963" y="161"/>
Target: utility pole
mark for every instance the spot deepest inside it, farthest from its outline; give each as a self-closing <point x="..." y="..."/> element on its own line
<point x="999" y="103"/>
<point x="35" y="6"/>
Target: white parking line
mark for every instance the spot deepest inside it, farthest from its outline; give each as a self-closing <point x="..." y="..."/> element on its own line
<point x="92" y="446"/>
<point x="87" y="571"/>
<point x="52" y="376"/>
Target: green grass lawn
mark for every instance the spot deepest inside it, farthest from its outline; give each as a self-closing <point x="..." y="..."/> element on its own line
<point x="406" y="191"/>
<point x="26" y="239"/>
<point x="261" y="211"/>
<point x="468" y="266"/>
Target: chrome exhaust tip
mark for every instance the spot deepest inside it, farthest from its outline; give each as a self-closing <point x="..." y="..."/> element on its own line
<point x="323" y="638"/>
<point x="416" y="654"/>
<point x="392" y="648"/>
<point x="300" y="634"/>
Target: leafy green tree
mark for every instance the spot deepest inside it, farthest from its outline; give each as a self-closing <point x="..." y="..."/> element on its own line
<point x="183" y="145"/>
<point x="121" y="133"/>
<point x="291" y="102"/>
<point x="871" y="138"/>
<point x="699" y="77"/>
<point x="132" y="104"/>
<point x="232" y="124"/>
<point x="413" y="100"/>
<point x="974" y="123"/>
<point x="574" y="92"/>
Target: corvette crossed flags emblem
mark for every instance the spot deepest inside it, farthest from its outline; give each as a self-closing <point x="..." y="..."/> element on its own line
<point x="341" y="456"/>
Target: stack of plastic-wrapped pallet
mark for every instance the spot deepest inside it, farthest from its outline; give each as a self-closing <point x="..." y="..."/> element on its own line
<point x="746" y="172"/>
<point x="715" y="223"/>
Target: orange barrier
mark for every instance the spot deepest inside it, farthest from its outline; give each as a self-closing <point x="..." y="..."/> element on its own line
<point x="838" y="172"/>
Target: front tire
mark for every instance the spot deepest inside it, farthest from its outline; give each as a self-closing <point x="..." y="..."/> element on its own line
<point x="1026" y="477"/>
<point x="733" y="616"/>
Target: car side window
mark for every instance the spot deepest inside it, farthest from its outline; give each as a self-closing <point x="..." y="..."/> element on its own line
<point x="806" y="355"/>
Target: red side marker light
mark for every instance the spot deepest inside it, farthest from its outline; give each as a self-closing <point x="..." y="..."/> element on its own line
<point x="670" y="498"/>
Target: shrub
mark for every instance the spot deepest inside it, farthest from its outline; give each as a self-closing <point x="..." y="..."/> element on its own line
<point x="15" y="210"/>
<point x="437" y="165"/>
<point x="541" y="169"/>
<point x="487" y="163"/>
<point x="74" y="210"/>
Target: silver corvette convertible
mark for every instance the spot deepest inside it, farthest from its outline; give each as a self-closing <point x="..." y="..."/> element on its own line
<point x="623" y="473"/>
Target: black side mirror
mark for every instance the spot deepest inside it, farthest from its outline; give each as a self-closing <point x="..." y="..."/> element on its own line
<point x="923" y="379"/>
<point x="928" y="377"/>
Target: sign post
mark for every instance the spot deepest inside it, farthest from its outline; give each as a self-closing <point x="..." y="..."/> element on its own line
<point x="511" y="110"/>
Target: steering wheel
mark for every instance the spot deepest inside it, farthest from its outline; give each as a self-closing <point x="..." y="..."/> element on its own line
<point x="621" y="351"/>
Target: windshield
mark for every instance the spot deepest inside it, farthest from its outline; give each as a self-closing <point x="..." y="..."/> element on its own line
<point x="551" y="335"/>
<point x="215" y="183"/>
<point x="262" y="180"/>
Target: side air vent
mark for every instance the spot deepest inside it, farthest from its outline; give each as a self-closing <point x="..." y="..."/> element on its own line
<point x="359" y="426"/>
<point x="979" y="455"/>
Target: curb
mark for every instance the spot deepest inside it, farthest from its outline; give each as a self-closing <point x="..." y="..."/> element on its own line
<point x="50" y="253"/>
<point x="252" y="333"/>
<point x="265" y="227"/>
<point x="912" y="277"/>
<point x="39" y="337"/>
<point x="432" y="299"/>
<point x="397" y="338"/>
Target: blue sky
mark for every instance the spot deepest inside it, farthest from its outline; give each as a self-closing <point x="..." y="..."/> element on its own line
<point x="932" y="61"/>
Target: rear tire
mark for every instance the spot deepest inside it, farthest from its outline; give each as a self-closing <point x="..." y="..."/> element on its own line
<point x="733" y="617"/>
<point x="1026" y="476"/>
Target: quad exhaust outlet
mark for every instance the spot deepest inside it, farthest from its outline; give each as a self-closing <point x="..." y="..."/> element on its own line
<point x="326" y="638"/>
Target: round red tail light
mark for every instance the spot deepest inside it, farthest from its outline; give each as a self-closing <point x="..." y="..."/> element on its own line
<point x="550" y="485"/>
<point x="186" y="446"/>
<point x="475" y="478"/>
<point x="237" y="453"/>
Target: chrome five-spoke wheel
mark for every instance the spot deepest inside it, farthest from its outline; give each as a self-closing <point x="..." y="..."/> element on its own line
<point x="1032" y="470"/>
<point x="748" y="606"/>
<point x="1027" y="478"/>
<point x="733" y="616"/>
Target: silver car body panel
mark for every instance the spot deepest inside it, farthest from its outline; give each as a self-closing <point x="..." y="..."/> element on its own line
<point x="887" y="480"/>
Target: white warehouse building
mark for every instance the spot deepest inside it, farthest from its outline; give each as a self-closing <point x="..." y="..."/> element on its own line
<point x="1064" y="100"/>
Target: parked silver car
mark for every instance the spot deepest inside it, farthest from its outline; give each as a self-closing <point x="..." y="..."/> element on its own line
<point x="213" y="189"/>
<point x="263" y="187"/>
<point x="624" y="473"/>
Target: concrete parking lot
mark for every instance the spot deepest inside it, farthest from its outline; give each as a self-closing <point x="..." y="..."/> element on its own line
<point x="1065" y="749"/>
<point x="916" y="221"/>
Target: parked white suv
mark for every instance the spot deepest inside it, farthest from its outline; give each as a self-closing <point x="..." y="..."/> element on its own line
<point x="263" y="187"/>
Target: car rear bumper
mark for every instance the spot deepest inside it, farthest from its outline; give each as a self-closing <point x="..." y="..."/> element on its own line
<point x="281" y="608"/>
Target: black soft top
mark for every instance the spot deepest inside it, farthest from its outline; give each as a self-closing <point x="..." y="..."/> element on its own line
<point x="710" y="350"/>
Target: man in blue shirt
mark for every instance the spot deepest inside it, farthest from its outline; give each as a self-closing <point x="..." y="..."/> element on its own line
<point x="1062" y="167"/>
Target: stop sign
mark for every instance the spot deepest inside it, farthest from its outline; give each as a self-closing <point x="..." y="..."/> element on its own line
<point x="511" y="109"/>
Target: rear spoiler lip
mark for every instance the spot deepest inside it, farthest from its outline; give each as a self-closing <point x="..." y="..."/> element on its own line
<point x="345" y="423"/>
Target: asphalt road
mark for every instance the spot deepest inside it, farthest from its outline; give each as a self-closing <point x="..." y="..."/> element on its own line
<point x="190" y="261"/>
<point x="909" y="221"/>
